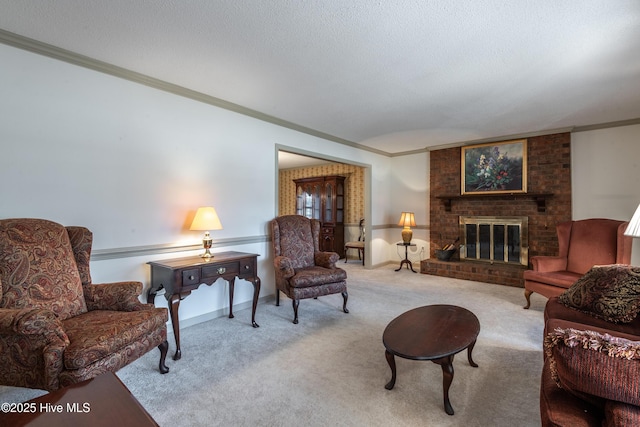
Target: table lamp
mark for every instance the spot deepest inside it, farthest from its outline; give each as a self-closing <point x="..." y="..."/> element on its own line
<point x="407" y="219"/>
<point x="633" y="229"/>
<point x="206" y="219"/>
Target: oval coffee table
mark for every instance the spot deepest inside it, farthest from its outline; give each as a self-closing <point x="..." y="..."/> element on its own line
<point x="433" y="332"/>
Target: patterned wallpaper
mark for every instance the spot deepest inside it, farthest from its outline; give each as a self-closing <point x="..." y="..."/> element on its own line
<point x="354" y="208"/>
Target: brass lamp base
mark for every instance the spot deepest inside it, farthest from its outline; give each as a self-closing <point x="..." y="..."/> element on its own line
<point x="407" y="235"/>
<point x="207" y="254"/>
<point x="207" y="242"/>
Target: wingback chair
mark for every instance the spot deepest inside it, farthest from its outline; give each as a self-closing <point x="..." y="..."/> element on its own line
<point x="582" y="244"/>
<point x="56" y="327"/>
<point x="301" y="269"/>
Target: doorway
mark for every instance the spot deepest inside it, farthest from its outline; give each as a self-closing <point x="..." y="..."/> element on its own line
<point x="293" y="164"/>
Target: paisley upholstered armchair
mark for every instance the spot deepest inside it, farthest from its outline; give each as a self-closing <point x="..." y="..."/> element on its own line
<point x="56" y="327"/>
<point x="301" y="269"/>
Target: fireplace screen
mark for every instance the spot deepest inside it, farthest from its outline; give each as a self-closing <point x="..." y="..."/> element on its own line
<point x="495" y="239"/>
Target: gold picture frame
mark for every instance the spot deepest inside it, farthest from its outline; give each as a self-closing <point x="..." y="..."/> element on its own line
<point x="494" y="168"/>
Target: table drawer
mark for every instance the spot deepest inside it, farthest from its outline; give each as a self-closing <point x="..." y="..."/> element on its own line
<point x="191" y="277"/>
<point x="221" y="269"/>
<point x="247" y="268"/>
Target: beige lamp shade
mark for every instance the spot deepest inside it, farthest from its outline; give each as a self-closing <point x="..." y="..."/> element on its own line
<point x="633" y="229"/>
<point x="407" y="219"/>
<point x="206" y="219"/>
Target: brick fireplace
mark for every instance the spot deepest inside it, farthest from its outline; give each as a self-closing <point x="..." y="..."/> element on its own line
<point x="547" y="202"/>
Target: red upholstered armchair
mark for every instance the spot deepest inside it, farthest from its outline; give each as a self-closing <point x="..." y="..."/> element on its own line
<point x="301" y="269"/>
<point x="582" y="244"/>
<point x="56" y="327"/>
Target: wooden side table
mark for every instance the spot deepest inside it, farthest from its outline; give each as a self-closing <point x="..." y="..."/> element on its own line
<point x="180" y="276"/>
<point x="406" y="256"/>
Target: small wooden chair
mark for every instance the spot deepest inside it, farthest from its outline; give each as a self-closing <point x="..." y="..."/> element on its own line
<point x="359" y="244"/>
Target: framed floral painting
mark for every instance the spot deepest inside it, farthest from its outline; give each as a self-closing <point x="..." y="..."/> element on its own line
<point x="495" y="168"/>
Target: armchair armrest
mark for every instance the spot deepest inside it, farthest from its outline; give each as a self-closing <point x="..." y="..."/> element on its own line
<point x="548" y="263"/>
<point x="32" y="321"/>
<point x="38" y="342"/>
<point x="283" y="267"/>
<point x="594" y="362"/>
<point x="118" y="296"/>
<point x="326" y="259"/>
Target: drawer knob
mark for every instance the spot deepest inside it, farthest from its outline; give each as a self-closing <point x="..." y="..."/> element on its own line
<point x="221" y="270"/>
<point x="246" y="267"/>
<point x="192" y="277"/>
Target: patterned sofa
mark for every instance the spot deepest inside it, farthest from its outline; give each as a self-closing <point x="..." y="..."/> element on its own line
<point x="591" y="373"/>
<point x="56" y="327"/>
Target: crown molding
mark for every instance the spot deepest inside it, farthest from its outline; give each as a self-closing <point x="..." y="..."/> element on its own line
<point x="607" y="125"/>
<point x="503" y="138"/>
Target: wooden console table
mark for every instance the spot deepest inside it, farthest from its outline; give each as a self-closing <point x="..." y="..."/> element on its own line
<point x="180" y="276"/>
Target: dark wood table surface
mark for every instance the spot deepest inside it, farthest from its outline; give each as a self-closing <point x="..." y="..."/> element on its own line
<point x="103" y="401"/>
<point x="433" y="332"/>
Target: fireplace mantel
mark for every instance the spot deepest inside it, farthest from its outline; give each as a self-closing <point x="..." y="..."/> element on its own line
<point x="539" y="198"/>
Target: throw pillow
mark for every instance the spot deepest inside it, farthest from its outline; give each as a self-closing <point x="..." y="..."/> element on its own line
<point x="609" y="292"/>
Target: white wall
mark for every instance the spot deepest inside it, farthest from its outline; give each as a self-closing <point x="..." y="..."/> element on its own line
<point x="605" y="175"/>
<point x="410" y="193"/>
<point x="132" y="163"/>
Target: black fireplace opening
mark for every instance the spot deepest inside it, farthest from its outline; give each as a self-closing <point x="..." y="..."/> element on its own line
<point x="494" y="239"/>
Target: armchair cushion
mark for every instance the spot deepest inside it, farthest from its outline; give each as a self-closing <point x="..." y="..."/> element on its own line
<point x="561" y="279"/>
<point x="37" y="268"/>
<point x="316" y="276"/>
<point x="609" y="292"/>
<point x="100" y="333"/>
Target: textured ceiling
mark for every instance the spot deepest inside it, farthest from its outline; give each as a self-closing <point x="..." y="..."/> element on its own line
<point x="392" y="75"/>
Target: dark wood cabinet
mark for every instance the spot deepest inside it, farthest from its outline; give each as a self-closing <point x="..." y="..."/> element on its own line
<point x="323" y="198"/>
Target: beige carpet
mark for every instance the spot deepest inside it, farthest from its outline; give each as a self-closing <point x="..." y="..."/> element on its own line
<point x="330" y="369"/>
